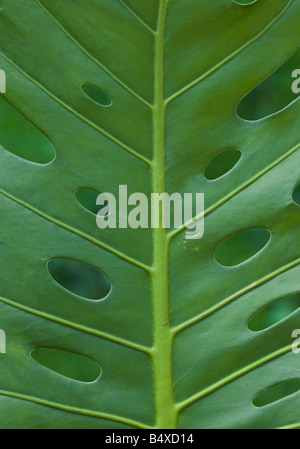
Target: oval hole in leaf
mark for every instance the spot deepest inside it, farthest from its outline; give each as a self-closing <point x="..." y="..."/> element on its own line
<point x="240" y="247"/>
<point x="221" y="164"/>
<point x="68" y="364"/>
<point x="273" y="313"/>
<point x="296" y="195"/>
<point x="20" y="137"/>
<point x="79" y="278"/>
<point x="244" y="2"/>
<point x="96" y="94"/>
<point x="87" y="198"/>
<point x="276" y="392"/>
<point x="273" y="94"/>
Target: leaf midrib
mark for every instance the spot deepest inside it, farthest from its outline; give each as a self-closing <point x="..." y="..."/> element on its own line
<point x="166" y="416"/>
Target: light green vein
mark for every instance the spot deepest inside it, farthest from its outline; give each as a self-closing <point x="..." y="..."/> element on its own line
<point x="78" y="327"/>
<point x="222" y="383"/>
<point x="141" y="21"/>
<point x="228" y="197"/>
<point x="228" y="58"/>
<point x="77" y="114"/>
<point x="78" y="232"/>
<point x="74" y="410"/>
<point x="205" y="314"/>
<point x="92" y="58"/>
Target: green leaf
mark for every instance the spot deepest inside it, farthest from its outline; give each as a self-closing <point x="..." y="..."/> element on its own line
<point x="171" y="336"/>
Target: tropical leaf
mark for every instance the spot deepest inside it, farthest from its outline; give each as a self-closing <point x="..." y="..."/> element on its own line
<point x="144" y="93"/>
